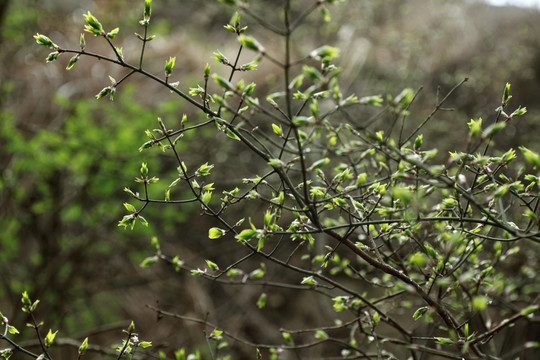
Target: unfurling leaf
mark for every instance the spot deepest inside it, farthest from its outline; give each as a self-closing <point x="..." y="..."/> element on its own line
<point x="169" y="65"/>
<point x="319" y="163"/>
<point x="250" y="43"/>
<point x="212" y="265"/>
<point x="94" y="26"/>
<point x="72" y="61"/>
<point x="50" y="338"/>
<point x="112" y="34"/>
<point x="532" y="157"/>
<point x="246" y="235"/>
<point x="147" y="9"/>
<point x="420" y="312"/>
<point x="261" y="301"/>
<point x="149" y="261"/>
<point x="83" y="347"/>
<point x="45" y="41"/>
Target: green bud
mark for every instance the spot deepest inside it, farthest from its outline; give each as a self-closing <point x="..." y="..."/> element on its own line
<point x="94" y="26"/>
<point x="506" y="94"/>
<point x="169" y="65"/>
<point x="45" y="41"/>
<point x="325" y="52"/>
<point x="52" y="56"/>
<point x="72" y="61"/>
<point x="519" y="111"/>
<point x="145" y="344"/>
<point x="104" y="92"/>
<point x="144" y="170"/>
<point x="222" y="82"/>
<point x="250" y="43"/>
<point x="112" y="34"/>
<point x="218" y="55"/>
<point x="251" y="65"/>
<point x="215" y="233"/>
<point x="532" y="157"/>
<point x="212" y="265"/>
<point x="249" y="89"/>
<point x="277" y="129"/>
<point x="418" y="142"/>
<point x="83" y="347"/>
<point x="261" y="301"/>
<point x="147" y="9"/>
<point x="50" y="338"/>
<point x="235" y="20"/>
<point x="26" y="299"/>
<point x="475" y="127"/>
<point x="82" y="42"/>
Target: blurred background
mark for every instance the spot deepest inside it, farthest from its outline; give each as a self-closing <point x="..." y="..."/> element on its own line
<point x="65" y="157"/>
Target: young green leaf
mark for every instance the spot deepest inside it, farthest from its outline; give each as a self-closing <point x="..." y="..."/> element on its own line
<point x="45" y="41"/>
<point x="277" y="129"/>
<point x="12" y="330"/>
<point x="287" y="337"/>
<point x="112" y="34"/>
<point x="319" y="163"/>
<point x="50" y="338"/>
<point x="215" y="233"/>
<point x="212" y="265"/>
<point x="506" y="95"/>
<point x="276" y="163"/>
<point x="94" y="26"/>
<point x="218" y="55"/>
<point x="83" y="347"/>
<point x="169" y="65"/>
<point x="480" y="303"/>
<point x="444" y="341"/>
<point x="222" y="82"/>
<point x="204" y="170"/>
<point x="147" y="9"/>
<point x="420" y="312"/>
<point x="529" y="310"/>
<point x="246" y="235"/>
<point x="261" y="301"/>
<point x="231" y="134"/>
<point x="149" y="261"/>
<point x="475" y="128"/>
<point x="309" y="280"/>
<point x="130" y="207"/>
<point x="250" y="43"/>
<point x="532" y="157"/>
<point x="206" y="196"/>
<point x="325" y="52"/>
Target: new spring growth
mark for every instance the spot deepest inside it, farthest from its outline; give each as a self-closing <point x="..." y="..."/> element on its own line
<point x="147" y="9"/>
<point x="83" y="347"/>
<point x="82" y="42"/>
<point x="93" y="25"/>
<point x="506" y="95"/>
<point x="45" y="41"/>
<point x="169" y="65"/>
<point x="50" y="338"/>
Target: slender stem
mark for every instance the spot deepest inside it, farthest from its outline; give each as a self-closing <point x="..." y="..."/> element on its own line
<point x="18" y="347"/>
<point x="437" y="108"/>
<point x="144" y="40"/>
